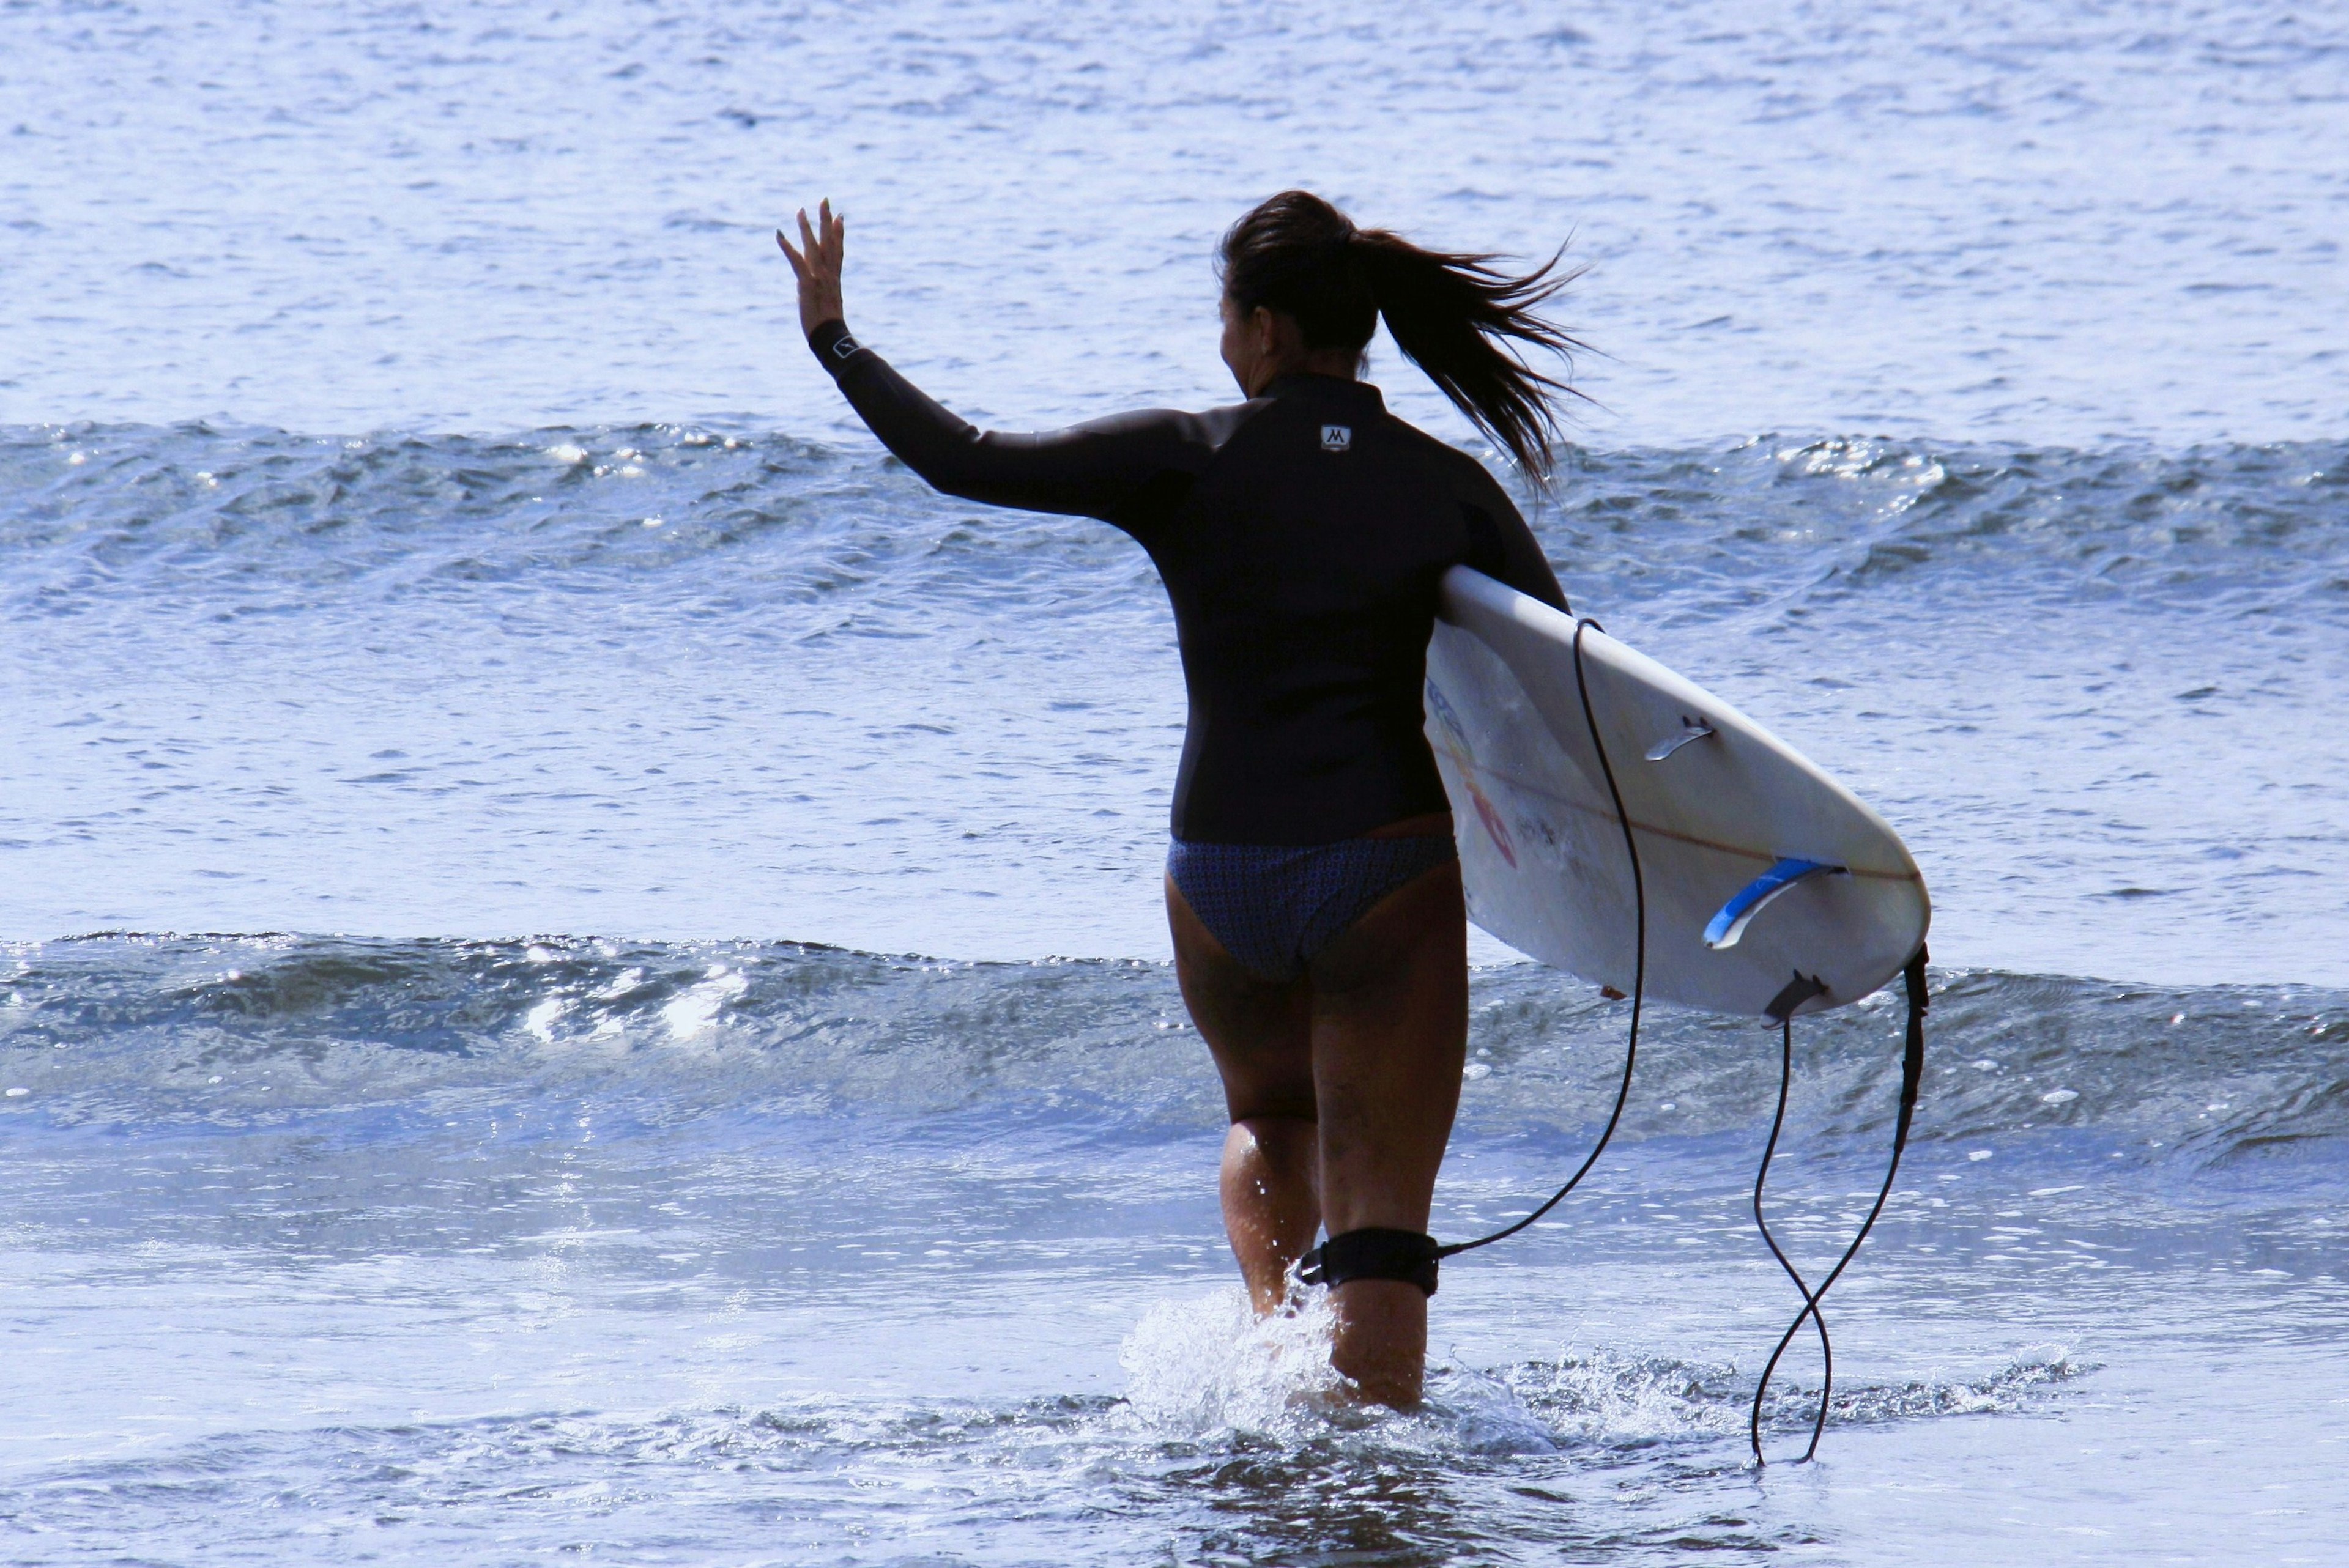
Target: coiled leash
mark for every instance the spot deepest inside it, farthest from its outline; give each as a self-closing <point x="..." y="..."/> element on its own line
<point x="1376" y="1252"/>
<point x="1912" y="1073"/>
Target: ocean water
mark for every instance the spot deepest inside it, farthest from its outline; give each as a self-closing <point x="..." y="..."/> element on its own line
<point x="580" y="967"/>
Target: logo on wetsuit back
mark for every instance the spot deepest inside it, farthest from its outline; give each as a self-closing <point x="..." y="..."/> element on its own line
<point x="1337" y="438"/>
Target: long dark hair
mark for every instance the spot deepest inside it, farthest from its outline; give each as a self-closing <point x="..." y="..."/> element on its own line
<point x="1449" y="313"/>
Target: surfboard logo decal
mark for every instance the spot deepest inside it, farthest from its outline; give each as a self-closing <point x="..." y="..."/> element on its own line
<point x="1494" y="828"/>
<point x="1446" y="717"/>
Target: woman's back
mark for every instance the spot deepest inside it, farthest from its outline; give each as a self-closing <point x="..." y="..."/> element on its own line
<point x="1302" y="567"/>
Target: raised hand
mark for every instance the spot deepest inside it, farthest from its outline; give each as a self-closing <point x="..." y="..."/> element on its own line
<point x="816" y="265"/>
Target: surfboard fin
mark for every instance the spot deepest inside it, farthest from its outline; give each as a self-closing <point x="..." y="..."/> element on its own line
<point x="1795" y="993"/>
<point x="1697" y="729"/>
<point x="1727" y="925"/>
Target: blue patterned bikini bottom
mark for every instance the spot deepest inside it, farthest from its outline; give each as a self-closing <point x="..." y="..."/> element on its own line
<point x="1274" y="906"/>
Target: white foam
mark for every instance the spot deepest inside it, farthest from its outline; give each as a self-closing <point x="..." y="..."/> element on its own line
<point x="1207" y="1364"/>
<point x="1487" y="1415"/>
<point x="695" y="1012"/>
<point x="1606" y="1397"/>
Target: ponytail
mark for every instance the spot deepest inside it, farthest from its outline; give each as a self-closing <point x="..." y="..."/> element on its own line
<point x="1449" y="313"/>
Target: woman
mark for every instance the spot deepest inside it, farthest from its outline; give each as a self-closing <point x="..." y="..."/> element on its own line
<point x="1320" y="932"/>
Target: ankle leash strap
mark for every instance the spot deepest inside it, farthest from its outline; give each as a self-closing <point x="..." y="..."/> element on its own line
<point x="1371" y="1253"/>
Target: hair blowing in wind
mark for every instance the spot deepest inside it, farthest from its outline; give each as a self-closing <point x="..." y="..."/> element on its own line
<point x="1455" y="315"/>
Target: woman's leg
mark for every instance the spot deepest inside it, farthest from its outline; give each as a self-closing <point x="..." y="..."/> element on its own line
<point x="1260" y="1031"/>
<point x="1389" y="1005"/>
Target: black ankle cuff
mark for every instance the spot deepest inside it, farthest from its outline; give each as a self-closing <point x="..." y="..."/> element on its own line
<point x="1371" y="1253"/>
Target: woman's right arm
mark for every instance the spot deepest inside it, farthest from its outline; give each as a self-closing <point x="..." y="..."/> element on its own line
<point x="1103" y="468"/>
<point x="1095" y="469"/>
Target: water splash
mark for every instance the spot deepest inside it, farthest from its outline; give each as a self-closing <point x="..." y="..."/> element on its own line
<point x="1206" y="1366"/>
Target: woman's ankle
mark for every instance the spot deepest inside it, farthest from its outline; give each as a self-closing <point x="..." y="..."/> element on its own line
<point x="1380" y="1339"/>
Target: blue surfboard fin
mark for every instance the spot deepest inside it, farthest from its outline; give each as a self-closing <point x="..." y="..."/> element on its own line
<point x="1725" y="927"/>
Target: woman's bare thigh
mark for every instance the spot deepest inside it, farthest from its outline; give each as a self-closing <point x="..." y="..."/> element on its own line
<point x="1260" y="1031"/>
<point x="1389" y="1010"/>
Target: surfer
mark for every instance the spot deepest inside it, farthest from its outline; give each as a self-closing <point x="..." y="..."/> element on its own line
<point x="1321" y="936"/>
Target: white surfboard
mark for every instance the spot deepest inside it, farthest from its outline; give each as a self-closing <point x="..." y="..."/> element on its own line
<point x="1761" y="871"/>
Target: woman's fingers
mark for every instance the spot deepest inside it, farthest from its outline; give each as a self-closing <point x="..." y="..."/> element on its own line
<point x="820" y="247"/>
<point x="826" y="239"/>
<point x="815" y="263"/>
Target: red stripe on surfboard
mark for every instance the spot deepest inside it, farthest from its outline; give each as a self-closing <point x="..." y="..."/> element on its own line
<point x="1469" y="766"/>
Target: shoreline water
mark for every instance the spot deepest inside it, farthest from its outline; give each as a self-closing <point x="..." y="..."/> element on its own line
<point x="452" y="1249"/>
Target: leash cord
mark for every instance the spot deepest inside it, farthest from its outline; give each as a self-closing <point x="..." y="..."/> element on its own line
<point x="1639" y="967"/>
<point x="1912" y="1070"/>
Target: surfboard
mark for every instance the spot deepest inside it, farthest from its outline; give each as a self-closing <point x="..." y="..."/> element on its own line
<point x="1770" y="888"/>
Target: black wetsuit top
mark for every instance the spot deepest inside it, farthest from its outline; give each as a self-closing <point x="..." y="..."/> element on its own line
<point x="1300" y="534"/>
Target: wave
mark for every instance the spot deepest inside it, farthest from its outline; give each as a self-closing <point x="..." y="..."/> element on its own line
<point x="2231" y="530"/>
<point x="196" y="1031"/>
<point x="2221" y="531"/>
<point x="230" y="521"/>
